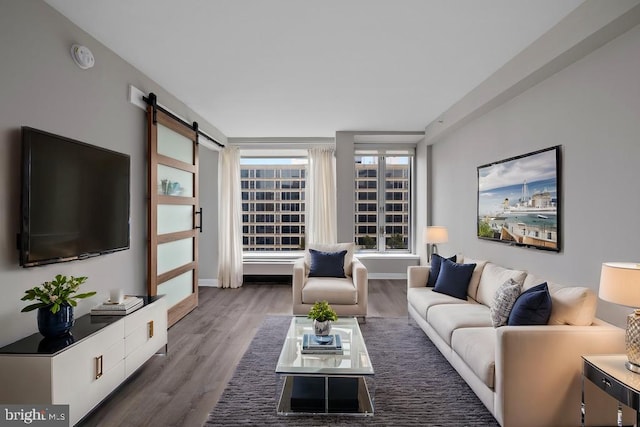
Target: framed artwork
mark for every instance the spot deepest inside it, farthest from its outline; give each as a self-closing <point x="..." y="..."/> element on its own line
<point x="519" y="200"/>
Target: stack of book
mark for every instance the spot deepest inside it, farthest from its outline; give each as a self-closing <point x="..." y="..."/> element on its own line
<point x="313" y="344"/>
<point x="107" y="308"/>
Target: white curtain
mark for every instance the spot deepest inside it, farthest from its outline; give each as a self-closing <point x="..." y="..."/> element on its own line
<point x="230" y="219"/>
<point x="321" y="196"/>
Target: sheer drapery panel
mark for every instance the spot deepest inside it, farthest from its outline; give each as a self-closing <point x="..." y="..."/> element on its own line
<point x="230" y="219"/>
<point x="321" y="196"/>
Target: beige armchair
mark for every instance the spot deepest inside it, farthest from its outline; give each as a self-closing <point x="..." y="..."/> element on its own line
<point x="348" y="296"/>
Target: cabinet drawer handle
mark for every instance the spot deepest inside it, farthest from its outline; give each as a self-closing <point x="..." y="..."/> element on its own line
<point x="98" y="366"/>
<point x="150" y="323"/>
<point x="606" y="382"/>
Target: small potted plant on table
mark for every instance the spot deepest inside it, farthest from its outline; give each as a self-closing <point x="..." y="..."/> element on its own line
<point x="57" y="299"/>
<point x="322" y="315"/>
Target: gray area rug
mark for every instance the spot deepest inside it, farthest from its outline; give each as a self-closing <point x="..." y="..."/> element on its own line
<point x="415" y="385"/>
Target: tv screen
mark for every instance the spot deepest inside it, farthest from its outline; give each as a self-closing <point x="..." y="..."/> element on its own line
<point x="75" y="199"/>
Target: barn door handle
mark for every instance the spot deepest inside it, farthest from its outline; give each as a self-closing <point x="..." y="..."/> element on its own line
<point x="199" y="213"/>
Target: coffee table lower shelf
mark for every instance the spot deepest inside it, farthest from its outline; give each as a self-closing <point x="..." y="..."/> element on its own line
<point x="325" y="395"/>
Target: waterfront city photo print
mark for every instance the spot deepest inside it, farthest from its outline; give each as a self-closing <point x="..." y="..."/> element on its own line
<point x="519" y="200"/>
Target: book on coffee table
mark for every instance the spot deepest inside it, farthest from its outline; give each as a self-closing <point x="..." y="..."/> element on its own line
<point x="313" y="344"/>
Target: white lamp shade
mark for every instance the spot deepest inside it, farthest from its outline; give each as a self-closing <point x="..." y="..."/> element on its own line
<point x="436" y="234"/>
<point x="620" y="283"/>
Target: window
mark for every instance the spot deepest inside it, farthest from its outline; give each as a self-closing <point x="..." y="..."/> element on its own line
<point x="273" y="188"/>
<point x="383" y="180"/>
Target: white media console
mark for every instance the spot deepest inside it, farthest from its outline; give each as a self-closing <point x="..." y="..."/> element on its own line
<point x="83" y="369"/>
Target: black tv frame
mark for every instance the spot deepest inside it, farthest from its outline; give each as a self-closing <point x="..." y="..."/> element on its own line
<point x="558" y="200"/>
<point x="23" y="237"/>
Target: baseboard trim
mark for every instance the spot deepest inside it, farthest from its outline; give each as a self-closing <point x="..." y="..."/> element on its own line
<point x="212" y="283"/>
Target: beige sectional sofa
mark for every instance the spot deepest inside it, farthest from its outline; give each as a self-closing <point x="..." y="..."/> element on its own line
<point x="524" y="375"/>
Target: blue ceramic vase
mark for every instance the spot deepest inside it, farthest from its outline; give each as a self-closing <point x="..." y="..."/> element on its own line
<point x="53" y="325"/>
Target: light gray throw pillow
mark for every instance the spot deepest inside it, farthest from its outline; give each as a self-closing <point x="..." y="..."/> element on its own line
<point x="503" y="301"/>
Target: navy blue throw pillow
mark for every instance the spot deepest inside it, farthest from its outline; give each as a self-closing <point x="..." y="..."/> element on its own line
<point x="533" y="307"/>
<point x="326" y="264"/>
<point x="453" y="279"/>
<point x="436" y="261"/>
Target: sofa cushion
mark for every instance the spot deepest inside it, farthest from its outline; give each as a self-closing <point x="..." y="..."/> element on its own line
<point x="446" y="318"/>
<point x="503" y="301"/>
<point x="570" y="305"/>
<point x="333" y="290"/>
<point x="336" y="247"/>
<point x="472" y="290"/>
<point x="421" y="299"/>
<point x="533" y="307"/>
<point x="434" y="271"/>
<point x="492" y="277"/>
<point x="477" y="347"/>
<point x="326" y="264"/>
<point x="454" y="279"/>
<point x="532" y="280"/>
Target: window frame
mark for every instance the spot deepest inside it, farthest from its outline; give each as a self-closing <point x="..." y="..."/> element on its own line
<point x="381" y="211"/>
<point x="260" y="191"/>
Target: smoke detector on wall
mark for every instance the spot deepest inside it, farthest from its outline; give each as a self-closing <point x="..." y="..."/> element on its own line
<point x="82" y="56"/>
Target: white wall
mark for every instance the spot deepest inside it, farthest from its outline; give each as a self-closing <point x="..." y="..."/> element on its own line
<point x="422" y="193"/>
<point x="40" y="86"/>
<point x="345" y="187"/>
<point x="591" y="108"/>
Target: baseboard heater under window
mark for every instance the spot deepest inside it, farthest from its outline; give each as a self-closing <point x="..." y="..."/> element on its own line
<point x="271" y="279"/>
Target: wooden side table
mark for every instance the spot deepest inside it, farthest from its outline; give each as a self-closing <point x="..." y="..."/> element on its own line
<point x="609" y="374"/>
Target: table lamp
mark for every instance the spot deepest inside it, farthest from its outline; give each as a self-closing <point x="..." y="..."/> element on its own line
<point x="432" y="235"/>
<point x="620" y="284"/>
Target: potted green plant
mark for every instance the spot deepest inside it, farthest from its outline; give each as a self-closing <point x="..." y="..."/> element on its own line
<point x="322" y="315"/>
<point x="56" y="301"/>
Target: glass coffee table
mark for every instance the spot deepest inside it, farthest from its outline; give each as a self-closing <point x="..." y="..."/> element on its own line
<point x="313" y="384"/>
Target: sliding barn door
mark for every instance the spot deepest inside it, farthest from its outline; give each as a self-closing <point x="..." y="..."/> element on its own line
<point x="173" y="213"/>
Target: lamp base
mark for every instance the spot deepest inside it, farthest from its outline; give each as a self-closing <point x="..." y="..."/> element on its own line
<point x="632" y="367"/>
<point x="632" y="342"/>
<point x="431" y="249"/>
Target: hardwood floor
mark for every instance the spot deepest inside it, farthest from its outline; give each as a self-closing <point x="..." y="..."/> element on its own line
<point x="181" y="387"/>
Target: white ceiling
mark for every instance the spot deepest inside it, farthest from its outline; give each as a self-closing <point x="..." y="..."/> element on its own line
<point x="296" y="68"/>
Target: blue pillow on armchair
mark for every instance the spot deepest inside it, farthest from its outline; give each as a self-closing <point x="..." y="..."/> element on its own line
<point x="326" y="264"/>
<point x="453" y="279"/>
<point x="434" y="271"/>
<point x="533" y="307"/>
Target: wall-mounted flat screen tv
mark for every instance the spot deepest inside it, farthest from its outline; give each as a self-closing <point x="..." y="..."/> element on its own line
<point x="75" y="199"/>
<point x="519" y="200"/>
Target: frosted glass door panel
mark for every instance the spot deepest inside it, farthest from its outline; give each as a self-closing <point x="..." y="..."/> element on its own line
<point x="174" y="145"/>
<point x="173" y="218"/>
<point x="174" y="182"/>
<point x="174" y="254"/>
<point x="177" y="288"/>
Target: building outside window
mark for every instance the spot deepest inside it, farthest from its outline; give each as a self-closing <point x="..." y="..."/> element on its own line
<point x="273" y="203"/>
<point x="383" y="202"/>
